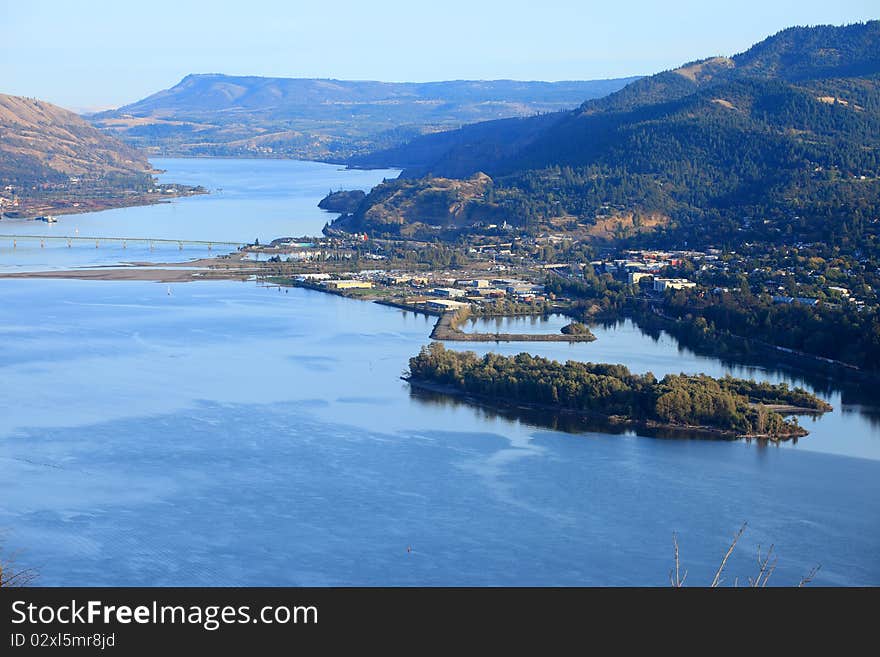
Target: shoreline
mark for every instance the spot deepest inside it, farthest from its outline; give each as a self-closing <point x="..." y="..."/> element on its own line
<point x="750" y="351"/>
<point x="221" y="267"/>
<point x="234" y="266"/>
<point x="271" y="156"/>
<point x="651" y="426"/>
<point x="85" y="206"/>
<point x="446" y="329"/>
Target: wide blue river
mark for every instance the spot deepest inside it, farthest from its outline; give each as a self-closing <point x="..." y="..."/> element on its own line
<point x="248" y="200"/>
<point x="224" y="433"/>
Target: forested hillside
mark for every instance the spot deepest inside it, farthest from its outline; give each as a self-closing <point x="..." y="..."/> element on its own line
<point x="779" y="143"/>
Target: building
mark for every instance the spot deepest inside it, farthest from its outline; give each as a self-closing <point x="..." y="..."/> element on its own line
<point x="396" y="280"/>
<point x="635" y="276"/>
<point x="445" y="305"/>
<point x="349" y="285"/>
<point x="503" y="282"/>
<point x="447" y="292"/>
<point x="477" y="282"/>
<point x="524" y="287"/>
<point x="304" y="255"/>
<point x="663" y="284"/>
<point x="484" y="293"/>
<point x="630" y="265"/>
<point x="802" y="300"/>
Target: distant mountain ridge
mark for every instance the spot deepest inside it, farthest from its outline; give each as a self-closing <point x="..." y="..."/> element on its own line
<point x="214" y="114"/>
<point x="220" y="92"/>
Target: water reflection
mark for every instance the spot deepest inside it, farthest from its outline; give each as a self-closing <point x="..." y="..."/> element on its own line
<point x="850" y="429"/>
<point x="564" y="421"/>
<point x="855" y="390"/>
<point x="551" y="323"/>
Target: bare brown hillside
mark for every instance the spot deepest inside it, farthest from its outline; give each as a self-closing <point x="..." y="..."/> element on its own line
<point x="43" y="143"/>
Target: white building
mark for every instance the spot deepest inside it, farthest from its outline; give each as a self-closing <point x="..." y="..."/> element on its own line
<point x="447" y="292"/>
<point x="445" y="305"/>
<point x="663" y="284"/>
<point x="635" y="276"/>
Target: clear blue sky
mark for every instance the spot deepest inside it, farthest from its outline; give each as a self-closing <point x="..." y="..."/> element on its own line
<point x="102" y="53"/>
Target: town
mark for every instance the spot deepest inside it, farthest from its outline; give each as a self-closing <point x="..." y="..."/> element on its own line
<point x="796" y="299"/>
<point x="77" y="194"/>
<point x="443" y="277"/>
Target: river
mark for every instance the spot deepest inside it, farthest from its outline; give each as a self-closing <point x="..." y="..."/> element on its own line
<point x="248" y="200"/>
<point x="225" y="433"/>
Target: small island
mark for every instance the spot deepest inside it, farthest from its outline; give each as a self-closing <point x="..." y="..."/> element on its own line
<point x="576" y="328"/>
<point x="722" y="408"/>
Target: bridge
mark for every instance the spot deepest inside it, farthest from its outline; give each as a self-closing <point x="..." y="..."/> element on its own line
<point x="124" y="241"/>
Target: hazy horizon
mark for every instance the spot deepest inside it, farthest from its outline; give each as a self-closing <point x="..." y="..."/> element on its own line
<point x="107" y="54"/>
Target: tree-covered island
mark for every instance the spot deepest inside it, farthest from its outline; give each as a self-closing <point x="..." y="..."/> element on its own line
<point x="725" y="407"/>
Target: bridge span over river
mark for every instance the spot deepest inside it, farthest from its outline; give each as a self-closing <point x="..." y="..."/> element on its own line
<point x="70" y="240"/>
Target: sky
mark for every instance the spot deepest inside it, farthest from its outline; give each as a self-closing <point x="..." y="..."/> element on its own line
<point x="96" y="54"/>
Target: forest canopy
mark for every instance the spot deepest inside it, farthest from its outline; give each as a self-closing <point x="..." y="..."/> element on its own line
<point x="727" y="405"/>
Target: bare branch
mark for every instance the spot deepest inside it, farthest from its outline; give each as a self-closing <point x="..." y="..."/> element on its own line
<point x="10" y="577"/>
<point x="717" y="580"/>
<point x="809" y="576"/>
<point x="766" y="568"/>
<point x="767" y="564"/>
<point x="677" y="581"/>
<point x="771" y="571"/>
